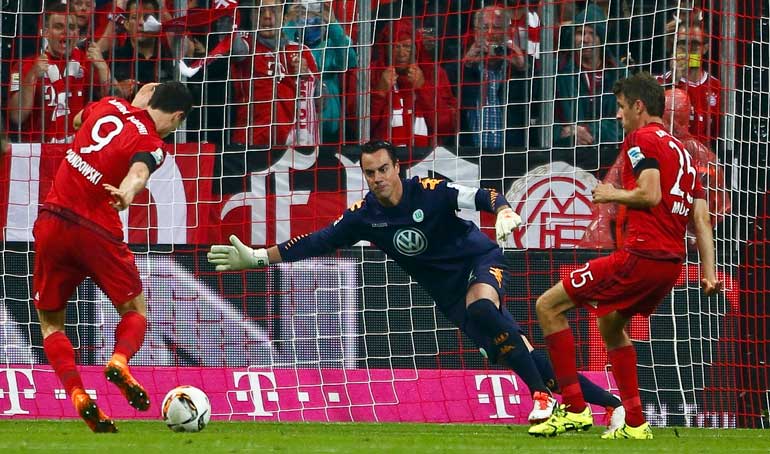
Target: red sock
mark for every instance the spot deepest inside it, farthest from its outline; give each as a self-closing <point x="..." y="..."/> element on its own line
<point x="61" y="356"/>
<point x="623" y="361"/>
<point x="129" y="334"/>
<point x="561" y="348"/>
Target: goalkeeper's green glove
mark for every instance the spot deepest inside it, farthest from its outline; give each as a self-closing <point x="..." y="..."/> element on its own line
<point x="507" y="221"/>
<point x="236" y="257"/>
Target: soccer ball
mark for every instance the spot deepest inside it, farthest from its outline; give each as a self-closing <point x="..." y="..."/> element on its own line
<point x="186" y="409"/>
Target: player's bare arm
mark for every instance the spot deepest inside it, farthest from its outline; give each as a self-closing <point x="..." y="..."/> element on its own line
<point x="134" y="182"/>
<point x="705" y="240"/>
<point x="646" y="194"/>
<point x="20" y="103"/>
<point x="102" y="69"/>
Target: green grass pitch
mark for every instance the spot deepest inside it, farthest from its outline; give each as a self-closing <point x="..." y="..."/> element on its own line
<point x="149" y="437"/>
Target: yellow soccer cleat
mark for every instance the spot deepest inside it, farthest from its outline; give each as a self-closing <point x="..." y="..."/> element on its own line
<point x="563" y="421"/>
<point x="642" y="432"/>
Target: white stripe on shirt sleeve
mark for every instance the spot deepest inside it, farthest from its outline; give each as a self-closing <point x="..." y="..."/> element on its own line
<point x="466" y="197"/>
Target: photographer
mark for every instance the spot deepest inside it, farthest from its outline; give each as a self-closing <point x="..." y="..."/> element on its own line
<point x="412" y="101"/>
<point x="492" y="95"/>
<point x="145" y="56"/>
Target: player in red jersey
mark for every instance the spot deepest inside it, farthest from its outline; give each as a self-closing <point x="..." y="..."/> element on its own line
<point x="79" y="234"/>
<point x="662" y="194"/>
<point x="703" y="89"/>
<point x="48" y="90"/>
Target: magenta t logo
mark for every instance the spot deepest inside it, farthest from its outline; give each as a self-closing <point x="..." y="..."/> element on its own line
<point x="500" y="397"/>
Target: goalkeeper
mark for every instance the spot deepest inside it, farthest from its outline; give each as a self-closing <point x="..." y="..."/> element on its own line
<point x="414" y="221"/>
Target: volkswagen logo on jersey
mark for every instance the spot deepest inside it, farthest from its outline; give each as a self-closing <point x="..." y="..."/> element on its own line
<point x="410" y="242"/>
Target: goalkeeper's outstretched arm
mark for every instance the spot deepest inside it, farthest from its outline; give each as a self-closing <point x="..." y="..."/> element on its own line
<point x="238" y="256"/>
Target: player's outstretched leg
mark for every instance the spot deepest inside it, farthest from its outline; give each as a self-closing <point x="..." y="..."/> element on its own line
<point x="593" y="393"/>
<point x="61" y="356"/>
<point x="508" y="347"/>
<point x="91" y="414"/>
<point x="129" y="336"/>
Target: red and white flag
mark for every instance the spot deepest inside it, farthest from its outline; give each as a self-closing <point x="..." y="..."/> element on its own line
<point x="220" y="50"/>
<point x="196" y="19"/>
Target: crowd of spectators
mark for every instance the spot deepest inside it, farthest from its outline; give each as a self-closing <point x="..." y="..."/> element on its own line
<point x="297" y="72"/>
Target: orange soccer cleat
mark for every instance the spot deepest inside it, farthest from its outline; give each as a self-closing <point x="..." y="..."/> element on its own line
<point x="93" y="417"/>
<point x="117" y="372"/>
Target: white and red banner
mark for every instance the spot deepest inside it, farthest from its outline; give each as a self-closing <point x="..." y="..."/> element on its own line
<point x="181" y="205"/>
<point x="190" y="200"/>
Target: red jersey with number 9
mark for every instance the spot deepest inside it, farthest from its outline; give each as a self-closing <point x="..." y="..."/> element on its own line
<point x="658" y="232"/>
<point x="111" y="134"/>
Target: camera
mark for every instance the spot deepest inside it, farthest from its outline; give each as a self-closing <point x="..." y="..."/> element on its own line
<point x="497" y="50"/>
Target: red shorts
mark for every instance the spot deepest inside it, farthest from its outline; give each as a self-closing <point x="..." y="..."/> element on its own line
<point x="623" y="282"/>
<point x="67" y="252"/>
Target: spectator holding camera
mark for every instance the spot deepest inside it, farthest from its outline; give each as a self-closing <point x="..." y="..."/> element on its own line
<point x="412" y="102"/>
<point x="47" y="90"/>
<point x="145" y="56"/>
<point x="492" y="96"/>
<point x="101" y="25"/>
